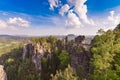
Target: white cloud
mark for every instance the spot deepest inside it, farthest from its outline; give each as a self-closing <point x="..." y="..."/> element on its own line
<point x="73" y="21"/>
<point x="115" y="19"/>
<point x="14" y="23"/>
<point x="17" y="21"/>
<point x="2" y="24"/>
<point x="109" y="21"/>
<point x="81" y="10"/>
<point x="57" y="21"/>
<point x="112" y="20"/>
<point x="53" y="3"/>
<point x="64" y="9"/>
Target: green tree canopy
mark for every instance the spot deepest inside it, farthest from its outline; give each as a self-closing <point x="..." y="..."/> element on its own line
<point x="67" y="74"/>
<point x="64" y="58"/>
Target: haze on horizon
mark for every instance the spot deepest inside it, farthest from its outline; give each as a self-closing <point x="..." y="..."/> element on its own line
<point x="58" y="17"/>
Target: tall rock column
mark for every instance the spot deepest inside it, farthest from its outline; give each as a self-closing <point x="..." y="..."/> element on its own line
<point x="3" y="75"/>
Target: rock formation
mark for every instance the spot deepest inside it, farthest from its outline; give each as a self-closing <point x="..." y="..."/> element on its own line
<point x="79" y="39"/>
<point x="79" y="52"/>
<point x="3" y="75"/>
<point x="35" y="52"/>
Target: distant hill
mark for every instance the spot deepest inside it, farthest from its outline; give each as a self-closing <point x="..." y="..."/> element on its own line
<point x="71" y="35"/>
<point x="5" y="36"/>
<point x="9" y="38"/>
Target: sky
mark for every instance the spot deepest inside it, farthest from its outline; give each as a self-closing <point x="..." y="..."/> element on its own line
<point x="58" y="17"/>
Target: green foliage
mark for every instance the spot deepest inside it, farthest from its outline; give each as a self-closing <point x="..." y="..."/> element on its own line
<point x="106" y="55"/>
<point x="67" y="74"/>
<point x="10" y="60"/>
<point x="118" y="27"/>
<point x="64" y="59"/>
<point x="52" y="40"/>
<point x="38" y="40"/>
<point x="18" y="69"/>
<point x="44" y="60"/>
<point x="7" y="47"/>
<point x="101" y="31"/>
<point x="80" y="73"/>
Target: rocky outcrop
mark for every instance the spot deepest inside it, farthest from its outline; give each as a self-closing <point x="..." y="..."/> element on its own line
<point x="35" y="52"/>
<point x="28" y="51"/>
<point x="3" y="75"/>
<point x="80" y="54"/>
<point x="78" y="48"/>
<point x="79" y="39"/>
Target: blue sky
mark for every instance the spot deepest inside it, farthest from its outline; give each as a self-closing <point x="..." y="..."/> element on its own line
<point x="57" y="17"/>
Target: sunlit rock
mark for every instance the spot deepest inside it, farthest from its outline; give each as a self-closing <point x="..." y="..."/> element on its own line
<point x="3" y="75"/>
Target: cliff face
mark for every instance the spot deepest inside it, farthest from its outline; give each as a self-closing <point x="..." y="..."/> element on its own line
<point x="78" y="50"/>
<point x="3" y="75"/>
<point x="42" y="57"/>
<point x="35" y="52"/>
<point x="80" y="54"/>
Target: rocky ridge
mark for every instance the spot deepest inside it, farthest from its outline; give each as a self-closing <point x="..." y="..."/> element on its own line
<point x="78" y="50"/>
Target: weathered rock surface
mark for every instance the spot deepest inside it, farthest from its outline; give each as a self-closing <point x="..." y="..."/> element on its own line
<point x="3" y="75"/>
<point x="79" y="39"/>
<point x="35" y="52"/>
<point x="80" y="54"/>
<point x="79" y="51"/>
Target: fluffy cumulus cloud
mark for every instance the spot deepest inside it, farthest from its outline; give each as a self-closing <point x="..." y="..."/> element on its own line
<point x="2" y="24"/>
<point x="65" y="8"/>
<point x="108" y="22"/>
<point x="79" y="12"/>
<point x="73" y="20"/>
<point x="17" y="21"/>
<point x="75" y="15"/>
<point x="114" y="19"/>
<point x="80" y="8"/>
<point x="111" y="21"/>
<point x="13" y="23"/>
<point x="53" y="3"/>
